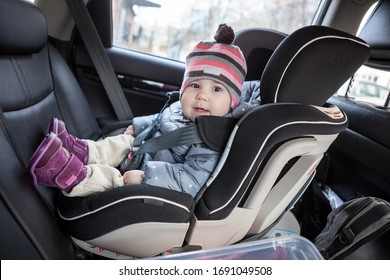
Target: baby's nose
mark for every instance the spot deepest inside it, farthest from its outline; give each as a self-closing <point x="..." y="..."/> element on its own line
<point x="201" y="95"/>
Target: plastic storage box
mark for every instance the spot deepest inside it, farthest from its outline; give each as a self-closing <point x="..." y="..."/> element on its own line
<point x="288" y="247"/>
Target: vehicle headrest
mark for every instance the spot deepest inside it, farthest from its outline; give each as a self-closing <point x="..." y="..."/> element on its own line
<point x="257" y="45"/>
<point x="376" y="33"/>
<point x="311" y="64"/>
<point x="23" y="28"/>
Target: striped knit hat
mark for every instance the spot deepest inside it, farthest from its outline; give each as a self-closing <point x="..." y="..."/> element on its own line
<point x="219" y="61"/>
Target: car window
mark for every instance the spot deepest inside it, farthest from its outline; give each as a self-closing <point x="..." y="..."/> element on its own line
<point x="371" y="86"/>
<point x="368" y="85"/>
<point x="169" y="28"/>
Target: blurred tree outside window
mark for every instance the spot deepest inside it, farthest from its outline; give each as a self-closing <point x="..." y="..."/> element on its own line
<point x="169" y="28"/>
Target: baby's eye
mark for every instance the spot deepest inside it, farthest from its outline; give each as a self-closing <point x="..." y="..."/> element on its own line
<point x="194" y="85"/>
<point x="217" y="89"/>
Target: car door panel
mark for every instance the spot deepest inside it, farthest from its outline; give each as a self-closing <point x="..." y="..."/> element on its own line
<point x="145" y="80"/>
<point x="363" y="150"/>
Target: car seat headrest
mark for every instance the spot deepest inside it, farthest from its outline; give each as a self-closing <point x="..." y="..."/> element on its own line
<point x="375" y="33"/>
<point x="23" y="28"/>
<point x="311" y="64"/>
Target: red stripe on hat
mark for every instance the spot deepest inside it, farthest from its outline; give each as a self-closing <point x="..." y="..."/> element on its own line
<point x="234" y="99"/>
<point x="229" y="49"/>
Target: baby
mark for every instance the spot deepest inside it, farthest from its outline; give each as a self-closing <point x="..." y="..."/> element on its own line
<point x="215" y="72"/>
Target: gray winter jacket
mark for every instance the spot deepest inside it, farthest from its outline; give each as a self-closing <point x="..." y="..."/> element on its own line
<point x="186" y="168"/>
<point x="182" y="168"/>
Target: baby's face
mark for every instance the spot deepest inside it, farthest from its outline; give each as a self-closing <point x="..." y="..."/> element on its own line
<point x="205" y="98"/>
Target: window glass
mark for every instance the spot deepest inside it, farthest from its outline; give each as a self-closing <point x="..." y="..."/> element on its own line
<point x="169" y="28"/>
<point x="370" y="86"/>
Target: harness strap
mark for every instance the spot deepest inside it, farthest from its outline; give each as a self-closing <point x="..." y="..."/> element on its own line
<point x="187" y="135"/>
<point x="211" y="131"/>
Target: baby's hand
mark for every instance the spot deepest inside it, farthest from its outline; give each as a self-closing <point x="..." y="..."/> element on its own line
<point x="129" y="130"/>
<point x="133" y="177"/>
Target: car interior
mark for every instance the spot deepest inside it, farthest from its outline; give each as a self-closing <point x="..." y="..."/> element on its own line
<point x="286" y="159"/>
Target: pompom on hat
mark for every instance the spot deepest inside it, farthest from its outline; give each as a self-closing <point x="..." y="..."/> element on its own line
<point x="217" y="60"/>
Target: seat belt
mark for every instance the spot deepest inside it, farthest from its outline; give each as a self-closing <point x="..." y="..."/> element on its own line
<point x="187" y="135"/>
<point x="100" y="59"/>
<point x="211" y="131"/>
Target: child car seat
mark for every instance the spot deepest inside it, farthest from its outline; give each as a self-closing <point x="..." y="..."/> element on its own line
<point x="143" y="220"/>
<point x="268" y="161"/>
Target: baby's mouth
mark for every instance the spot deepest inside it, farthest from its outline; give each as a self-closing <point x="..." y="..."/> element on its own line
<point x="200" y="110"/>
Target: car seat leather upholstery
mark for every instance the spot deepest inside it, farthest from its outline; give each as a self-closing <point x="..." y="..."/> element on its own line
<point x="264" y="157"/>
<point x="29" y="229"/>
